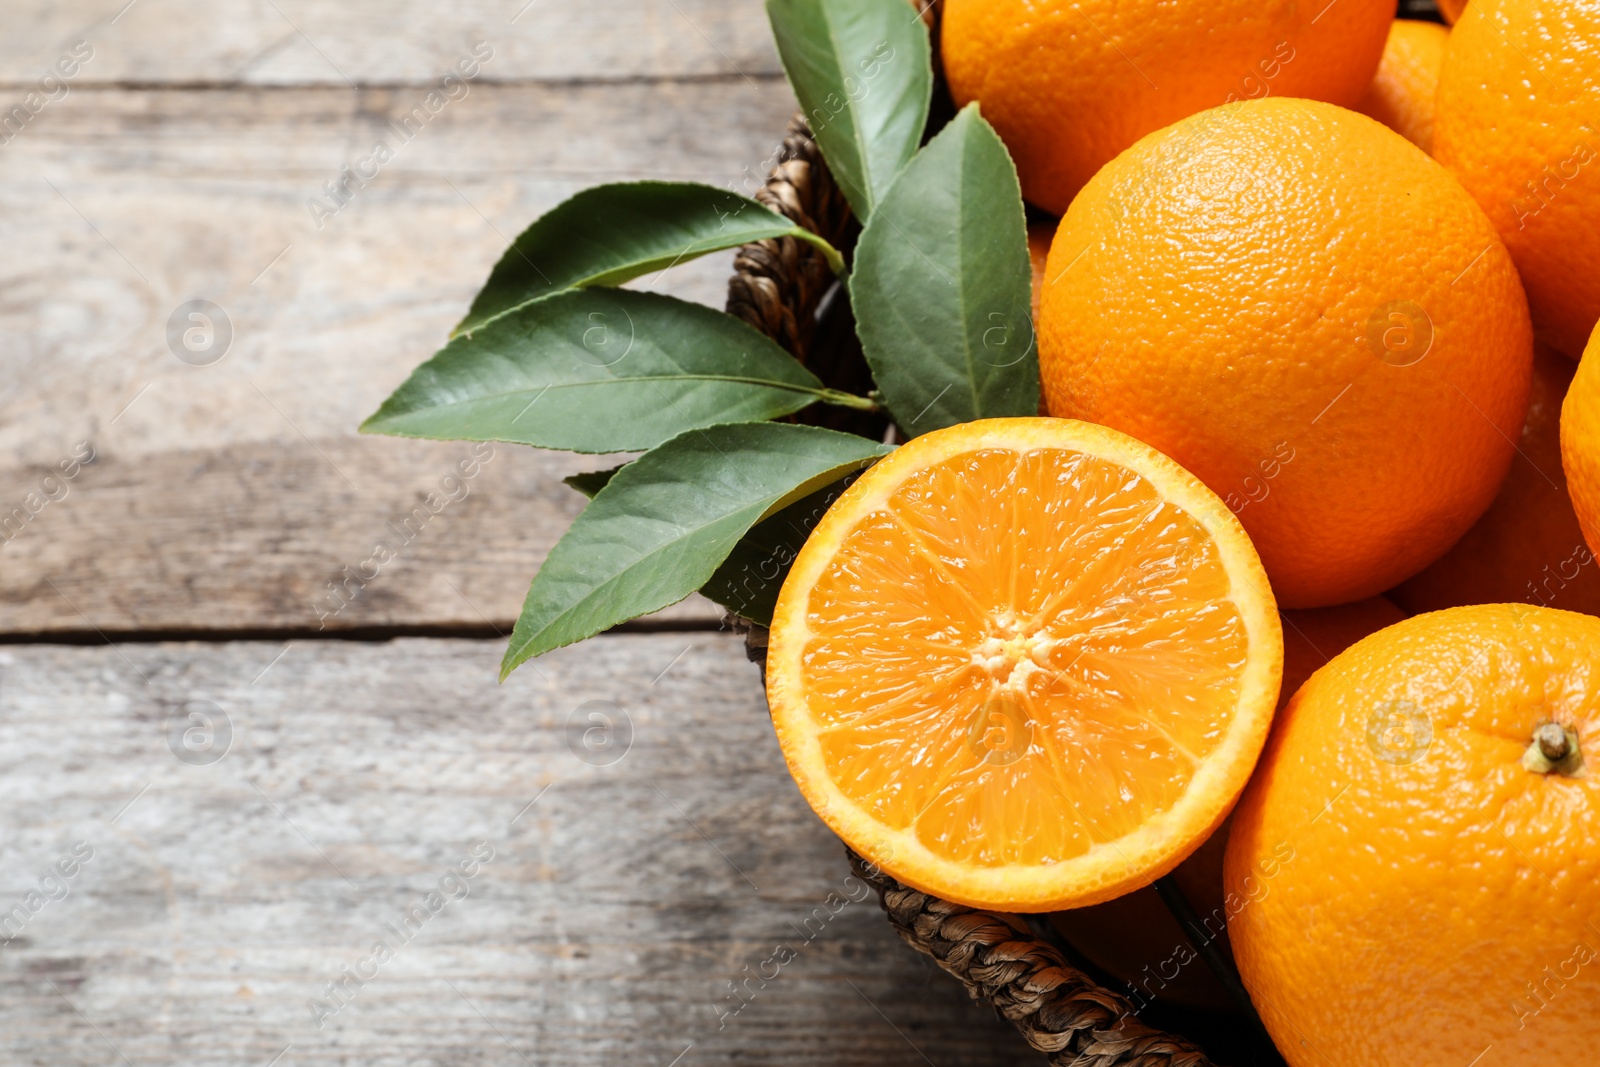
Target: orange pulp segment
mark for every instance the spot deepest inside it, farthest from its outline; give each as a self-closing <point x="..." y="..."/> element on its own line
<point x="1024" y="664"/>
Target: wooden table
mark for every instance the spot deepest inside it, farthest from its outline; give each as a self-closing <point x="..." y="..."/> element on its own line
<point x="221" y="797"/>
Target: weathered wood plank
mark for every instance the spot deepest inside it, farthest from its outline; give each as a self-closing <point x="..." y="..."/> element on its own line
<point x="301" y="42"/>
<point x="222" y="897"/>
<point x="227" y="496"/>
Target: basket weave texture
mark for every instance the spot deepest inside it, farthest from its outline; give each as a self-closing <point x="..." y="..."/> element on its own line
<point x="777" y="287"/>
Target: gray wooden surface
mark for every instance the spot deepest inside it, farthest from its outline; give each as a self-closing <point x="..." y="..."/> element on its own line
<point x="226" y="888"/>
<point x="234" y="491"/>
<point x="221" y="899"/>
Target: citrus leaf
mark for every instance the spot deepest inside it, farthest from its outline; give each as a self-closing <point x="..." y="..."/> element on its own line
<point x="613" y="233"/>
<point x="663" y="524"/>
<point x="864" y="75"/>
<point x="602" y="370"/>
<point x="748" y="581"/>
<point x="941" y="285"/>
<point x="590" y="482"/>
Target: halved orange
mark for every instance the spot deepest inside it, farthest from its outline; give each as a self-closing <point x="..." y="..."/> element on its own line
<point x="1024" y="664"/>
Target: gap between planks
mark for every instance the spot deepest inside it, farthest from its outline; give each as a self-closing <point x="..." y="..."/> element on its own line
<point x="369" y="634"/>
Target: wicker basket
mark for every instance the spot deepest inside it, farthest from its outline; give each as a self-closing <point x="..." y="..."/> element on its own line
<point x="784" y="288"/>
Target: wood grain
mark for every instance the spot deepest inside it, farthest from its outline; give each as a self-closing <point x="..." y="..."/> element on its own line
<point x="362" y="42"/>
<point x="227" y="496"/>
<point x="221" y="898"/>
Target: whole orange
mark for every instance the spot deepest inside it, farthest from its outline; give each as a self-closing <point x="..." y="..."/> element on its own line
<point x="1420" y="844"/>
<point x="1307" y="312"/>
<point x="1134" y="938"/>
<point x="1518" y="100"/>
<point x="1401" y="95"/>
<point x="1070" y="83"/>
<point x="1528" y="546"/>
<point x="1580" y="441"/>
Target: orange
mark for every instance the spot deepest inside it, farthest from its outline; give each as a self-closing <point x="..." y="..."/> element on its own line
<point x="1024" y="664"/>
<point x="1452" y="9"/>
<point x="1070" y="83"/>
<point x="1528" y="546"/>
<point x="1135" y="938"/>
<point x="1401" y="95"/>
<point x="1040" y="234"/>
<point x="1518" y="101"/>
<point x="1311" y="315"/>
<point x="1580" y="441"/>
<point x="1419" y="884"/>
<point x="1312" y="638"/>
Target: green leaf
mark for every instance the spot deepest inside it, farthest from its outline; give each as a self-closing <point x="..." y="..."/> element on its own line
<point x="590" y="482"/>
<point x="941" y="286"/>
<point x="748" y="581"/>
<point x="613" y="233"/>
<point x="663" y="524"/>
<point x="864" y="75"/>
<point x="601" y="370"/>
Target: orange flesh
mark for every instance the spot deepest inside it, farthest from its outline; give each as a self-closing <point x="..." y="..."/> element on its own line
<point x="1022" y="655"/>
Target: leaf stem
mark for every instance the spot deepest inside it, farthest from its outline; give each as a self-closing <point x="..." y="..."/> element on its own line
<point x="834" y="257"/>
<point x="847" y="400"/>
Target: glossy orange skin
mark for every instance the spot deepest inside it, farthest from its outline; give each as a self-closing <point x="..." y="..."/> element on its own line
<point x="1070" y="83"/>
<point x="1135" y="938"/>
<point x="1452" y="9"/>
<point x="1402" y="909"/>
<point x="1313" y="317"/>
<point x="1528" y="547"/>
<point x="1040" y="234"/>
<point x="1580" y="441"/>
<point x="1518" y="99"/>
<point x="1401" y="94"/>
